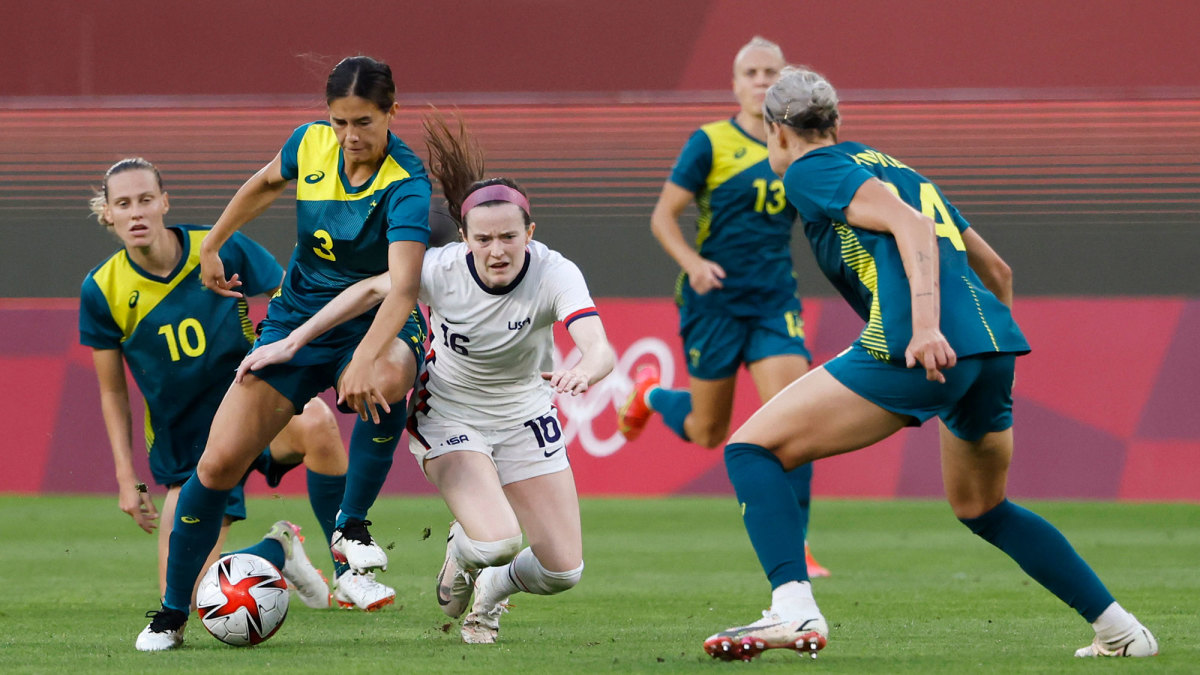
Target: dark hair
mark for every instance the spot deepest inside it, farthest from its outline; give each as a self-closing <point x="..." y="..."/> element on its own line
<point x="100" y="195"/>
<point x="364" y="77"/>
<point x="456" y="161"/>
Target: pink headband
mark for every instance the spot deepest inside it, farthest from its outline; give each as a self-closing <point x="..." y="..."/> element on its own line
<point x="494" y="193"/>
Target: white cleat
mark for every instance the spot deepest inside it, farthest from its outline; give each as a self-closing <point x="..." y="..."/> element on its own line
<point x="482" y="625"/>
<point x="454" y="585"/>
<point x="1139" y="643"/>
<point x="806" y="636"/>
<point x="299" y="571"/>
<point x="164" y="632"/>
<point x="359" y="590"/>
<point x="353" y="544"/>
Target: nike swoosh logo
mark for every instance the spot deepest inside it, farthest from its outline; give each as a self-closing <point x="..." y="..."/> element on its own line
<point x="382" y="439"/>
<point x="443" y="592"/>
<point x="550" y="454"/>
<point x="190" y="520"/>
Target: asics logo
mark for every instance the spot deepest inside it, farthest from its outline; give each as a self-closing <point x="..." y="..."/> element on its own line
<point x="314" y="178"/>
<point x="190" y="520"/>
<point x="741" y="152"/>
<point x="551" y="453"/>
<point x="382" y="439"/>
<point x="133" y="298"/>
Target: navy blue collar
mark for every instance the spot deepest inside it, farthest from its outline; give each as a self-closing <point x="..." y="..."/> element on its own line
<point x="503" y="289"/>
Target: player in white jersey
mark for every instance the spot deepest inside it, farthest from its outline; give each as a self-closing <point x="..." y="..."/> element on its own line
<point x="482" y="421"/>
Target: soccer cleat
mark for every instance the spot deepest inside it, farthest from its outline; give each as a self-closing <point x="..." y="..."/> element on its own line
<point x="352" y="544"/>
<point x="454" y="597"/>
<point x="164" y="632"/>
<point x="1139" y="643"/>
<point x="815" y="569"/>
<point x="482" y="625"/>
<point x="633" y="415"/>
<point x="770" y="632"/>
<point x="299" y="571"/>
<point x="362" y="591"/>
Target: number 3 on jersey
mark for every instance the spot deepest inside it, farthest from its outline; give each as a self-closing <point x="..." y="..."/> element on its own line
<point x="933" y="206"/>
<point x="325" y="249"/>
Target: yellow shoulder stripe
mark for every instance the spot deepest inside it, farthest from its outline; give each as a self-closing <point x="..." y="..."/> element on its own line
<point x="132" y="296"/>
<point x="317" y="159"/>
<point x="732" y="152"/>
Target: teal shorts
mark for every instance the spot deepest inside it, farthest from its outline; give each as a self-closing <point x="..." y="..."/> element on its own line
<point x="716" y="345"/>
<point x="312" y="371"/>
<point x="975" y="400"/>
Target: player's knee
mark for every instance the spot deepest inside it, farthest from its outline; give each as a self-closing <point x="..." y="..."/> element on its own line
<point x="709" y="434"/>
<point x="542" y="581"/>
<point x="475" y="555"/>
<point x="315" y="431"/>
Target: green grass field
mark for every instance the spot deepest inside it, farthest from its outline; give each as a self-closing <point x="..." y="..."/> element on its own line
<point x="913" y="592"/>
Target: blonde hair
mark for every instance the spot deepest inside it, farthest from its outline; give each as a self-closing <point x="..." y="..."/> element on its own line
<point x="100" y="195"/>
<point x="803" y="100"/>
<point x="758" y="42"/>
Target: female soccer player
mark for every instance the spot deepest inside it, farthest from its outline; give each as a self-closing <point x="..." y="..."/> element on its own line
<point x="144" y="306"/>
<point x="362" y="202"/>
<point x="939" y="341"/>
<point x="483" y="423"/>
<point x="737" y="292"/>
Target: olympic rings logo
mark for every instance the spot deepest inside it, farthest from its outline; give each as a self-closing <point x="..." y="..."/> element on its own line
<point x="607" y="395"/>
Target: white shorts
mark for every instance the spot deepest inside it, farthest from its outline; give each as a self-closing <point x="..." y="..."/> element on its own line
<point x="533" y="448"/>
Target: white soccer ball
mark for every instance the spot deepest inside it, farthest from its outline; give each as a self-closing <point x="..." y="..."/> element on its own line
<point x="242" y="599"/>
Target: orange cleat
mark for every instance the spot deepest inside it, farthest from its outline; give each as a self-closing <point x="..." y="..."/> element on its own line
<point x="632" y="416"/>
<point x="815" y="569"/>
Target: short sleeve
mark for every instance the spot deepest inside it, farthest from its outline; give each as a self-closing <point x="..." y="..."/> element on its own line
<point x="408" y="211"/>
<point x="97" y="329"/>
<point x="571" y="299"/>
<point x="290" y="154"/>
<point x="257" y="269"/>
<point x="822" y="184"/>
<point x="694" y="163"/>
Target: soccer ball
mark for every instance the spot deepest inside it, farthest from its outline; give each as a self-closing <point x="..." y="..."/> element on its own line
<point x="242" y="599"/>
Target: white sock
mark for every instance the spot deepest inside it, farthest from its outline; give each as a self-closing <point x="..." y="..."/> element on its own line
<point x="524" y="574"/>
<point x="794" y="601"/>
<point x="473" y="555"/>
<point x="1114" y="624"/>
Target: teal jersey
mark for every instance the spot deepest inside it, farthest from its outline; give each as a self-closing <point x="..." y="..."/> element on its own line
<point x="744" y="223"/>
<point x="182" y="342"/>
<point x="865" y="266"/>
<point x="343" y="232"/>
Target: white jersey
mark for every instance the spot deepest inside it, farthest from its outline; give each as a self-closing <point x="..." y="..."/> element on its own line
<point x="488" y="346"/>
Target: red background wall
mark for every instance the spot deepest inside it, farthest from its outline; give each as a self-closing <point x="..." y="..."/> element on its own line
<point x="274" y="47"/>
<point x="1107" y="414"/>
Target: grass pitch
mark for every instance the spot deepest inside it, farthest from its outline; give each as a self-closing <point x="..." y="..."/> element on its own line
<point x="912" y="592"/>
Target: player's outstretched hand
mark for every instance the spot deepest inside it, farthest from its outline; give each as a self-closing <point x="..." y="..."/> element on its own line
<point x="212" y="275"/>
<point x="932" y="350"/>
<point x="139" y="506"/>
<point x="567" y="381"/>
<point x="275" y="352"/>
<point x="361" y="389"/>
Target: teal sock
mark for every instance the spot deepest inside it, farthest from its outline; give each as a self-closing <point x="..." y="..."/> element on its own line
<point x="199" y="514"/>
<point x="1045" y="554"/>
<point x="325" y="495"/>
<point x="800" y="478"/>
<point x="769" y="511"/>
<point x="674" y="405"/>
<point x="269" y="549"/>
<point x="371" y="449"/>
